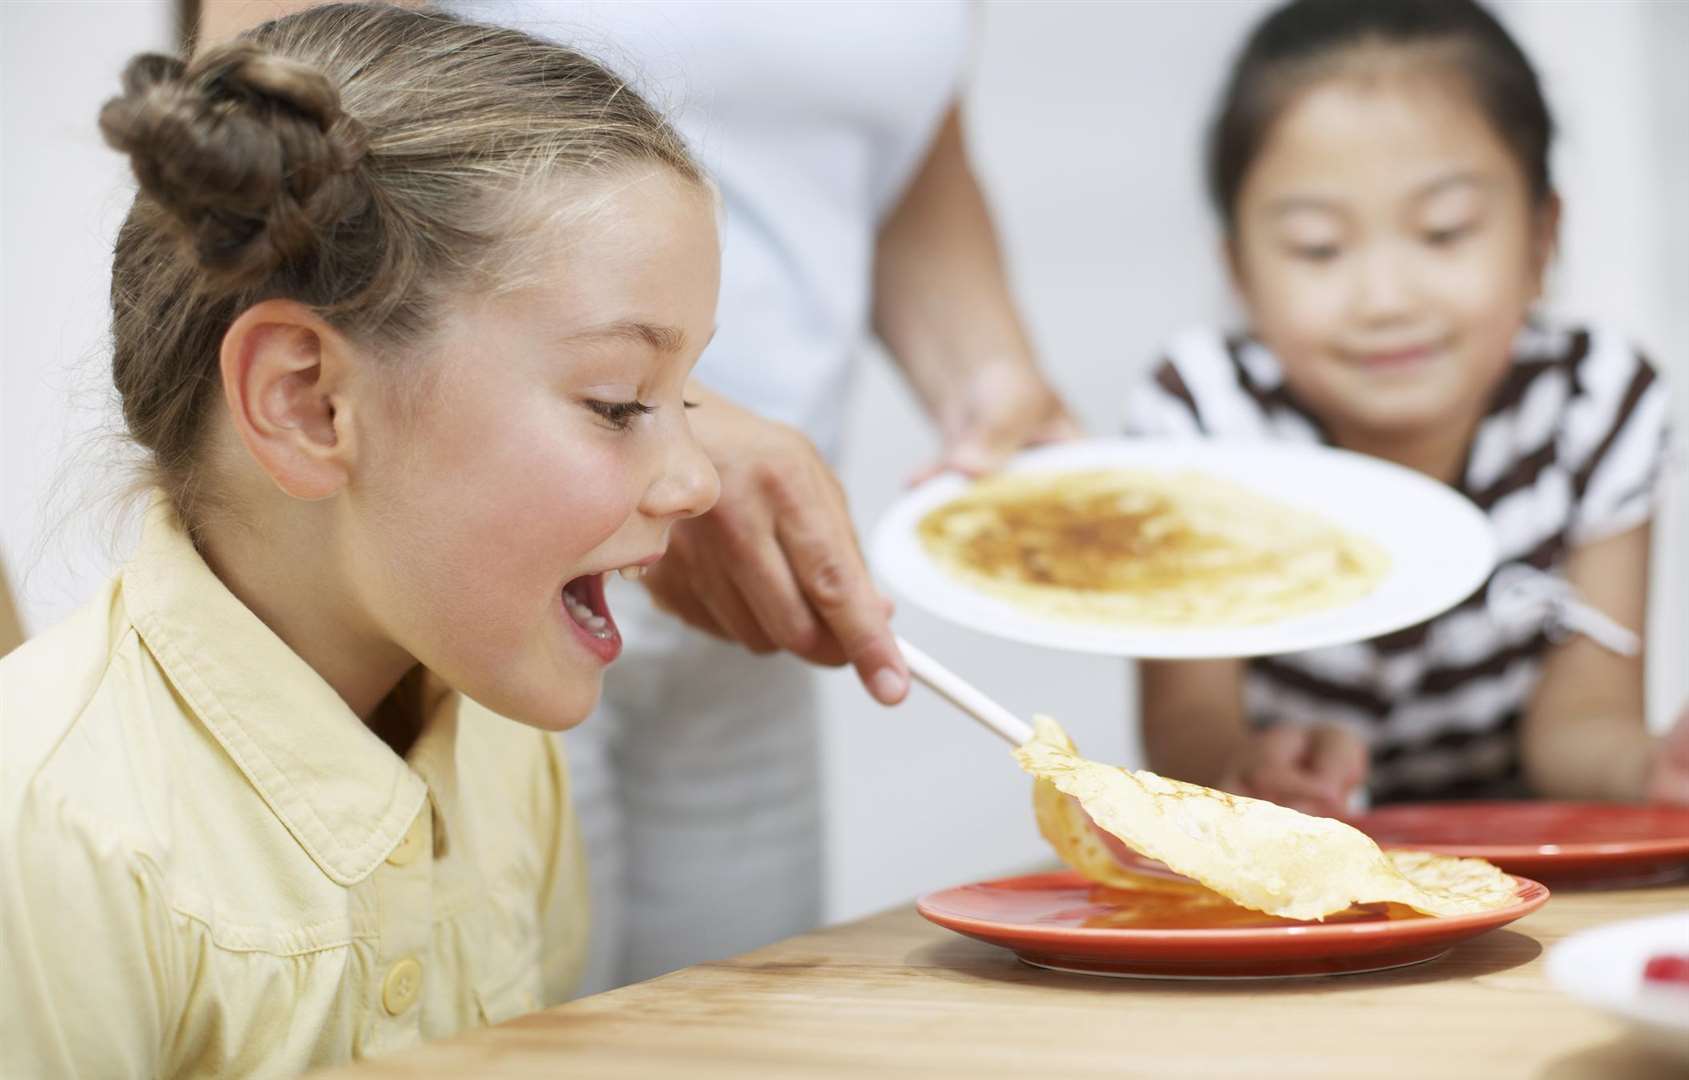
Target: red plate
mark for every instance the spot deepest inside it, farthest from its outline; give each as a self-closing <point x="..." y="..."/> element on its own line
<point x="1059" y="921"/>
<point x="1561" y="842"/>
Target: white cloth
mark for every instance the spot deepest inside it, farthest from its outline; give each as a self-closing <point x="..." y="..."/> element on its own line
<point x="697" y="784"/>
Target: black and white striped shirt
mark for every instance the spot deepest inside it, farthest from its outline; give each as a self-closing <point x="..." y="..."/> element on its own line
<point x="1570" y="451"/>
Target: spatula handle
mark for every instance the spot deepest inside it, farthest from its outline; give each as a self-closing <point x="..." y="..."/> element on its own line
<point x="951" y="687"/>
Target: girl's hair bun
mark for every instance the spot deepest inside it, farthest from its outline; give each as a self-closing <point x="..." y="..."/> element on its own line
<point x="247" y="152"/>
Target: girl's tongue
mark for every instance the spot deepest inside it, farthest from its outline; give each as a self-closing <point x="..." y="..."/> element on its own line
<point x="583" y="598"/>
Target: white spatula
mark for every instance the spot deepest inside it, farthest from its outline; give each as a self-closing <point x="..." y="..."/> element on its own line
<point x="952" y="688"/>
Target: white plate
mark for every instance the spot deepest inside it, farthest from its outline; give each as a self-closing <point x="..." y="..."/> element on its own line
<point x="1602" y="967"/>
<point x="1440" y="545"/>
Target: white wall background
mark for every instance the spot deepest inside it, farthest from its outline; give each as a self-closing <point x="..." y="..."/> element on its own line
<point x="1085" y="122"/>
<point x="62" y="197"/>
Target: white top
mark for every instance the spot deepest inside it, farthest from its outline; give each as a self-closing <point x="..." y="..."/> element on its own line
<point x="812" y="118"/>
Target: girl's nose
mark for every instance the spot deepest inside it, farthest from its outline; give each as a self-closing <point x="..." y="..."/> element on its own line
<point x="1383" y="287"/>
<point x="687" y="485"/>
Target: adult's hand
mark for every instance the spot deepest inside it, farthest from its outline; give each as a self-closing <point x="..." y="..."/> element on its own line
<point x="776" y="565"/>
<point x="993" y="411"/>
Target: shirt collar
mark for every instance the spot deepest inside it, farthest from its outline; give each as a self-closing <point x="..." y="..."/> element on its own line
<point x="1259" y="364"/>
<point x="342" y="792"/>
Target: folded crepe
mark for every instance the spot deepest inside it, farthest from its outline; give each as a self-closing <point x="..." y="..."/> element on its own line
<point x="1254" y="853"/>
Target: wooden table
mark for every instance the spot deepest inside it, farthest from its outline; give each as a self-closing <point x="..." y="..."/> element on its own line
<point x="894" y="996"/>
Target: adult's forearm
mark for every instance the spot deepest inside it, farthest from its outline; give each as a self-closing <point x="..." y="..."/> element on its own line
<point x="942" y="303"/>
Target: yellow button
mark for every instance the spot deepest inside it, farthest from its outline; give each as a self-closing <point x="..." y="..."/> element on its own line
<point x="403" y="983"/>
<point x="410" y="845"/>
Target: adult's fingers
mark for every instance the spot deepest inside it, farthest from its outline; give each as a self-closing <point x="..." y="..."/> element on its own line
<point x="692" y="585"/>
<point x="769" y="585"/>
<point x="720" y="595"/>
<point x="671" y="592"/>
<point x="1059" y="428"/>
<point x="988" y="447"/>
<point x="927" y="472"/>
<point x="982" y="454"/>
<point x="830" y="571"/>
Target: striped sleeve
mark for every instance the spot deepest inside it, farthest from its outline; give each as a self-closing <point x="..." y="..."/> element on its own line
<point x="1616" y="440"/>
<point x="1200" y="389"/>
<point x="1160" y="405"/>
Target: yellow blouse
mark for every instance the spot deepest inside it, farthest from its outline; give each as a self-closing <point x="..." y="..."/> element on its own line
<point x="210" y="867"/>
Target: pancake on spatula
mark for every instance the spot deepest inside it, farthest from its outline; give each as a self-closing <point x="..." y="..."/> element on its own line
<point x="1257" y="854"/>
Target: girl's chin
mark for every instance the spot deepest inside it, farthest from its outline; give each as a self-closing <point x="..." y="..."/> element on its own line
<point x="559" y="724"/>
<point x="551" y="708"/>
<point x="563" y="716"/>
<point x="553" y="721"/>
<point x="1401" y="410"/>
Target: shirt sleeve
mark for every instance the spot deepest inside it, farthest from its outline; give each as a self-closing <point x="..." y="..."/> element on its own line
<point x="90" y="950"/>
<point x="1618" y="442"/>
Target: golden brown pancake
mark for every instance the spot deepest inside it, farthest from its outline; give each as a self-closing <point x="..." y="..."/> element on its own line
<point x="1136" y="547"/>
<point x="1255" y="854"/>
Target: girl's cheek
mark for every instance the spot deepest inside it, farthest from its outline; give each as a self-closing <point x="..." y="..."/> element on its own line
<point x="1295" y="309"/>
<point x="1316" y="305"/>
<point x="548" y="483"/>
<point x="581" y="486"/>
<point x="1289" y="299"/>
<point x="1486" y="292"/>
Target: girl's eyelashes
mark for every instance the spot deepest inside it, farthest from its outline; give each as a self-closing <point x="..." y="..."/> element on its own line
<point x="620" y="414"/>
<point x="1447" y="237"/>
<point x="1437" y="238"/>
<point x="1315" y="253"/>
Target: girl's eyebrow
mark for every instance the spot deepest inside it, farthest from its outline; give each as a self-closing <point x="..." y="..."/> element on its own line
<point x="1439" y="184"/>
<point x="1290" y="204"/>
<point x="664" y="339"/>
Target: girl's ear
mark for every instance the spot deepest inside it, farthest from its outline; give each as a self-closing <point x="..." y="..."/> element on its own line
<point x="1545" y="238"/>
<point x="286" y="381"/>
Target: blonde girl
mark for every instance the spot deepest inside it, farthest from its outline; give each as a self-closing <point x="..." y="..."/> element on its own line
<point x="403" y="315"/>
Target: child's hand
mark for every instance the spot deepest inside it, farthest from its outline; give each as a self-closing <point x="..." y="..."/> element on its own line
<point x="775" y="565"/>
<point x="1668" y="776"/>
<point x="1311" y="769"/>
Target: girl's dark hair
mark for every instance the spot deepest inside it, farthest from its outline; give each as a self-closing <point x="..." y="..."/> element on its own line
<point x="1298" y="43"/>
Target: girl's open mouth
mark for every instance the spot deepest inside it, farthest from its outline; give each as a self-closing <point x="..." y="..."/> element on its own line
<point x="583" y="602"/>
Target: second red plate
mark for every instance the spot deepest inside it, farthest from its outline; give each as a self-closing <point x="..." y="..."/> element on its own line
<point x="1560" y="842"/>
